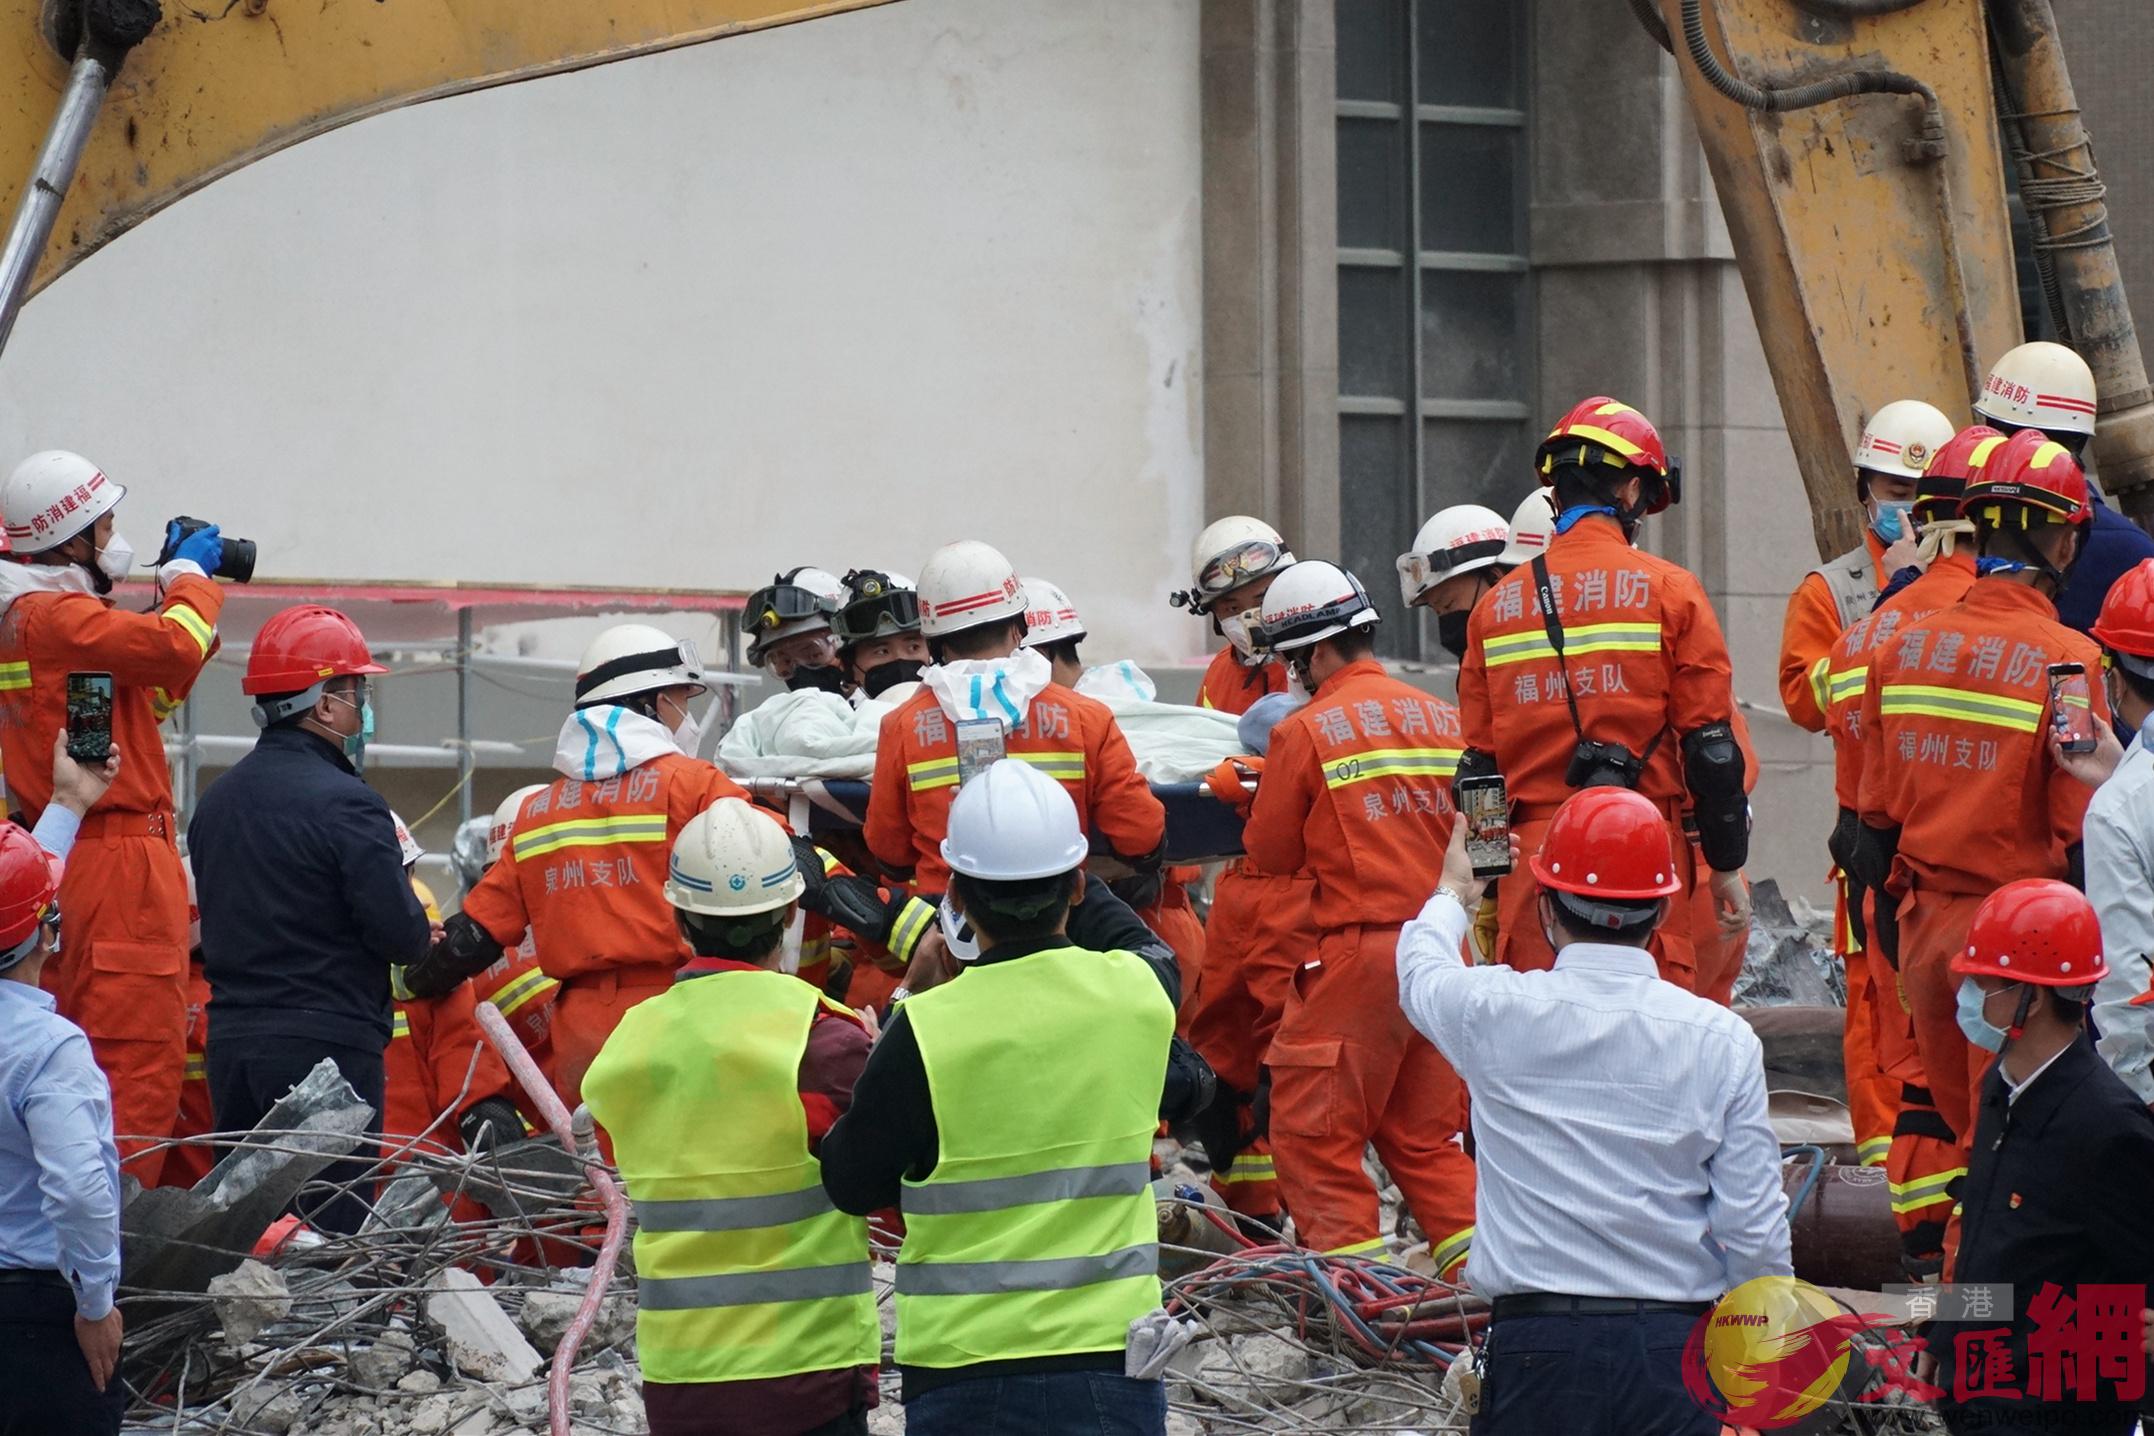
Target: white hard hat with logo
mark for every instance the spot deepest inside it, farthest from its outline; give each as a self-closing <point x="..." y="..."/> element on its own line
<point x="1463" y="538"/>
<point x="1533" y="524"/>
<point x="732" y="860"/>
<point x="966" y="584"/>
<point x="1050" y="617"/>
<point x="52" y="496"/>
<point x="503" y="826"/>
<point x="405" y="842"/>
<point x="1901" y="437"/>
<point x="1312" y="601"/>
<point x="2039" y="385"/>
<point x="632" y="658"/>
<point x="1013" y="823"/>
<point x="1229" y="553"/>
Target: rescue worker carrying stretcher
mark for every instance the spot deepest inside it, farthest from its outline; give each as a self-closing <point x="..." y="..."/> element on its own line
<point x="1599" y="665"/>
<point x="1356" y="796"/>
<point x="1960" y="792"/>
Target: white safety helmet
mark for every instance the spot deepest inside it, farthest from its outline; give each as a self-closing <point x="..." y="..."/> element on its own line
<point x="966" y="584"/>
<point x="732" y="860"/>
<point x="1463" y="538"/>
<point x="1901" y="437"/>
<point x="1050" y="617"/>
<point x="1012" y="823"/>
<point x="1532" y="526"/>
<point x="503" y="825"/>
<point x="52" y="496"/>
<point x="1229" y="553"/>
<point x="800" y="600"/>
<point x="632" y="658"/>
<point x="1312" y="601"/>
<point x="2036" y="386"/>
<point x="405" y="841"/>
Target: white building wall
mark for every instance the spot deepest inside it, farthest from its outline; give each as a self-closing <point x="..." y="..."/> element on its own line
<point x="831" y="294"/>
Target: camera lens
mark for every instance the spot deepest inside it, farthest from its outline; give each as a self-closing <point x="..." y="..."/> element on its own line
<point x="237" y="561"/>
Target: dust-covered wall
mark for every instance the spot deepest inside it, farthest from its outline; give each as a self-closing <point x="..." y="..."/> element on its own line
<point x="831" y="294"/>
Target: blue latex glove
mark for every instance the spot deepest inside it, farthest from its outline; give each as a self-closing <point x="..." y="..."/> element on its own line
<point x="204" y="546"/>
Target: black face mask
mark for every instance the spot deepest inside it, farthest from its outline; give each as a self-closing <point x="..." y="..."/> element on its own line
<point x="885" y="676"/>
<point x="1451" y="632"/>
<point x="826" y="676"/>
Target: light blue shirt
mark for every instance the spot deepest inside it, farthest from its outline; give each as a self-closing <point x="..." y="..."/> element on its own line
<point x="59" y="1170"/>
<point x="2119" y="839"/>
<point x="1622" y="1147"/>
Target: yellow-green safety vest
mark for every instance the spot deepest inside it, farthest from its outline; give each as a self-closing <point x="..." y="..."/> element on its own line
<point x="744" y="1269"/>
<point x="1036" y="1233"/>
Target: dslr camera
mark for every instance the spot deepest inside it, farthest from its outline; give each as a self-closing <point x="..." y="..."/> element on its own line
<point x="237" y="561"/>
<point x="1603" y="765"/>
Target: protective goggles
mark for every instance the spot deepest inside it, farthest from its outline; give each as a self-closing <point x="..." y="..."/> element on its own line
<point x="681" y="660"/>
<point x="771" y="608"/>
<point x="883" y="614"/>
<point x="1232" y="569"/>
<point x="1421" y="570"/>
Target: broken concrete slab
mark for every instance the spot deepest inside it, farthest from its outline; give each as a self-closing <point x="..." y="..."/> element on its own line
<point x="248" y="1300"/>
<point x="176" y="1239"/>
<point x="480" y="1339"/>
<point x="385" y="1362"/>
<point x="548" y="1312"/>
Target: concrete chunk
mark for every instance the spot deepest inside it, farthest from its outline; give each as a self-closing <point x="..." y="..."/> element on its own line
<point x="249" y="1299"/>
<point x="477" y="1334"/>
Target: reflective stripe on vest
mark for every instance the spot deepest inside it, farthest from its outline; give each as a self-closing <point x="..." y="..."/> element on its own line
<point x="1583" y="639"/>
<point x="589" y="833"/>
<point x="1391" y="763"/>
<point x="2018" y="714"/>
<point x="525" y="988"/>
<point x="745" y="1270"/>
<point x="1035" y="1234"/>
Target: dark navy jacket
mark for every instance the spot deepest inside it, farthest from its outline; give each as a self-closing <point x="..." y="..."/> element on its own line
<point x="305" y="905"/>
<point x="2114" y="545"/>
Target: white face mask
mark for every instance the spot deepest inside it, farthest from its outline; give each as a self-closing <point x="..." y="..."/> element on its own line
<point x="115" y="559"/>
<point x="1236" y="628"/>
<point x="958" y="932"/>
<point x="688" y="733"/>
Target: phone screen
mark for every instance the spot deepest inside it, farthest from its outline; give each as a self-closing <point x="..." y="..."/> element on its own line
<point x="89" y="717"/>
<point x="2071" y="707"/>
<point x="981" y="743"/>
<point x="1486" y="811"/>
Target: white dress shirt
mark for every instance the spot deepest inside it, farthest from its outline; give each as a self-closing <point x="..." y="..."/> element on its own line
<point x="2119" y="838"/>
<point x="1619" y="1122"/>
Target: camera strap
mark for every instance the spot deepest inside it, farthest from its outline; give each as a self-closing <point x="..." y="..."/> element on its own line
<point x="1545" y="591"/>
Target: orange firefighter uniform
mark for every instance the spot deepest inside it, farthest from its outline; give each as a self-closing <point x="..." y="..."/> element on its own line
<point x="121" y="974"/>
<point x="436" y="1066"/>
<point x="1231" y="685"/>
<point x="520" y="988"/>
<point x="184" y="1166"/>
<point x="1923" y="1155"/>
<point x="1066" y="735"/>
<point x="584" y="874"/>
<point x="1175" y="919"/>
<point x="1356" y="794"/>
<point x="1816" y="619"/>
<point x="1956" y="758"/>
<point x="1647" y="662"/>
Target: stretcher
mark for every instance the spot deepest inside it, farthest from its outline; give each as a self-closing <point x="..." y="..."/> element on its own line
<point x="1200" y="828"/>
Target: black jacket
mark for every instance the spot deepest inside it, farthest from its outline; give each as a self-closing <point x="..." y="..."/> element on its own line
<point x="2056" y="1191"/>
<point x="305" y="905"/>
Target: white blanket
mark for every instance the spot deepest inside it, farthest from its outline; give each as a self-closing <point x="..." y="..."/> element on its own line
<point x="820" y="735"/>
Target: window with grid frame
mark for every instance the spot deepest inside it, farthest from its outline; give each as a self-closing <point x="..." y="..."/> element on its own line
<point x="1435" y="297"/>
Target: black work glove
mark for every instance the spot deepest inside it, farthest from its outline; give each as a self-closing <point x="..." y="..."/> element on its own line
<point x="1260" y="1105"/>
<point x="465" y="950"/>
<point x="489" y="1122"/>
<point x="854" y="903"/>
<point x="1887" y="922"/>
<point x="1190" y="1086"/>
<point x="1219" y="1127"/>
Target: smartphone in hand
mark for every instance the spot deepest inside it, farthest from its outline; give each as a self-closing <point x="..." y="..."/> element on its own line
<point x="89" y="717"/>
<point x="1485" y="809"/>
<point x="2071" y="707"/>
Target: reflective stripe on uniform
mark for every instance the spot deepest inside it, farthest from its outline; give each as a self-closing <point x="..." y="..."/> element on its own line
<point x="1821" y="682"/>
<point x="1923" y="1191"/>
<point x="1844" y="685"/>
<point x="1065" y="767"/>
<point x="994" y="1194"/>
<point x="1453" y="1250"/>
<point x="1373" y="1244"/>
<point x="987" y="1278"/>
<point x="590" y="833"/>
<point x="163" y="705"/>
<point x="1873" y="1152"/>
<point x="197" y="1069"/>
<point x="933" y="773"/>
<point x="1589" y="638"/>
<point x="399" y="1026"/>
<point x="522" y="991"/>
<point x="753" y="1288"/>
<point x="913" y="921"/>
<point x="193" y="623"/>
<point x="732" y="1214"/>
<point x="1248" y="1167"/>
<point x="2021" y="715"/>
<point x="14" y="677"/>
<point x="1391" y="763"/>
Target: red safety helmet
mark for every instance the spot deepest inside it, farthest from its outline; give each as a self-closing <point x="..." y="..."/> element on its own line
<point x="2035" y="930"/>
<point x="29" y="880"/>
<point x="2126" y="626"/>
<point x="1608" y="843"/>
<point x="301" y="647"/>
<point x="2028" y="480"/>
<point x="1601" y="430"/>
<point x="1943" y="481"/>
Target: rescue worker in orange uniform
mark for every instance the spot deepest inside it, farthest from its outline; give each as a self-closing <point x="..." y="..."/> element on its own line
<point x="1960" y="793"/>
<point x="1884" y="1071"/>
<point x="184" y="1166"/>
<point x="1260" y="926"/>
<point x="1895" y="447"/>
<point x="1626" y="684"/>
<point x="441" y="1078"/>
<point x="121" y="973"/>
<point x="516" y="984"/>
<point x="986" y="697"/>
<point x="1356" y="794"/>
